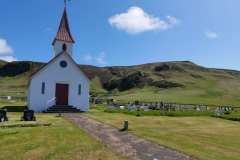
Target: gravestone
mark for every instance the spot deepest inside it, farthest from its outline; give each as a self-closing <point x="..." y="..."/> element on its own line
<point x="3" y="115"/>
<point x="110" y="101"/>
<point x="98" y="101"/>
<point x="111" y="107"/>
<point x="28" y="115"/>
<point x="131" y="107"/>
<point x="136" y="103"/>
<point x="161" y="105"/>
<point x="125" y="126"/>
<point x="198" y="109"/>
<point x="219" y="111"/>
<point x="122" y="107"/>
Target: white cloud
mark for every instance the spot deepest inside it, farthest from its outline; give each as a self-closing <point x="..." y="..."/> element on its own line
<point x="211" y="35"/>
<point x="96" y="59"/>
<point x="6" y="52"/>
<point x="136" y="20"/>
<point x="8" y="58"/>
<point x="4" y="47"/>
<point x="87" y="57"/>
<point x="101" y="58"/>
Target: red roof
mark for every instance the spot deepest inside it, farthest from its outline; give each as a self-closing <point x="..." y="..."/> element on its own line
<point x="64" y="33"/>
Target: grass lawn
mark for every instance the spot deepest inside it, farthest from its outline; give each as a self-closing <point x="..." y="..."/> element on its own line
<point x="38" y="140"/>
<point x="188" y="95"/>
<point x="188" y="113"/>
<point x="205" y="138"/>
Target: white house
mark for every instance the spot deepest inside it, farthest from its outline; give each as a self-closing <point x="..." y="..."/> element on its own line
<point x="60" y="83"/>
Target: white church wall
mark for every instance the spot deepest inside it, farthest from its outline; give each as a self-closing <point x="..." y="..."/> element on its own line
<point x="53" y="74"/>
<point x="57" y="48"/>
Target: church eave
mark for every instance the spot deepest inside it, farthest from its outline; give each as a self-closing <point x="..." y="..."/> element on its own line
<point x="67" y="41"/>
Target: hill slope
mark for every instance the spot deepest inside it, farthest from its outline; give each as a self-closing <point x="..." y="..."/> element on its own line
<point x="2" y="63"/>
<point x="181" y="82"/>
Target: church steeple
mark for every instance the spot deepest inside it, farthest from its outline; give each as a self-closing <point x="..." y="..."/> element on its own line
<point x="64" y="39"/>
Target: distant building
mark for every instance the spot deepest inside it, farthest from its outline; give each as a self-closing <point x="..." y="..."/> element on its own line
<point x="60" y="82"/>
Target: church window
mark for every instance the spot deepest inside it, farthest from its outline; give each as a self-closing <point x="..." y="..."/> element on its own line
<point x="64" y="47"/>
<point x="63" y="64"/>
<point x="79" y="89"/>
<point x="43" y="88"/>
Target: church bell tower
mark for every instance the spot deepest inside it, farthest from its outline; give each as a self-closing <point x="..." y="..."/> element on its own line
<point x="64" y="40"/>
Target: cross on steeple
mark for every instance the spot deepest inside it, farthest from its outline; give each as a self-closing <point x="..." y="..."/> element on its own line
<point x="65" y="3"/>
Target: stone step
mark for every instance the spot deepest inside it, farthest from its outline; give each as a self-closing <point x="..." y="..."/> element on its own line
<point x="65" y="106"/>
<point x="62" y="109"/>
<point x="73" y="110"/>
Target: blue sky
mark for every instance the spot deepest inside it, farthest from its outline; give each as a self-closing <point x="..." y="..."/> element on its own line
<point x="125" y="32"/>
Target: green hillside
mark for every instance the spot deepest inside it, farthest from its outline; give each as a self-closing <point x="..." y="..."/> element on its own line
<point x="2" y="63"/>
<point x="180" y="82"/>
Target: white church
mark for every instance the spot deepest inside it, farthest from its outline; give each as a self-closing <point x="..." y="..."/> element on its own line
<point x="60" y="85"/>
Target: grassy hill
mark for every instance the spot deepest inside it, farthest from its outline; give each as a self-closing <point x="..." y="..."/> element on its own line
<point x="2" y="63"/>
<point x="180" y="82"/>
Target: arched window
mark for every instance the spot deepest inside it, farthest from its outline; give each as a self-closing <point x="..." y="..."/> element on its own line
<point x="64" y="47"/>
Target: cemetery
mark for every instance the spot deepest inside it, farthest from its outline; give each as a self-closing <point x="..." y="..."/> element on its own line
<point x="171" y="109"/>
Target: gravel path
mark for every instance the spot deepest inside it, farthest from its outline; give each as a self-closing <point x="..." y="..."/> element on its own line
<point x="124" y="143"/>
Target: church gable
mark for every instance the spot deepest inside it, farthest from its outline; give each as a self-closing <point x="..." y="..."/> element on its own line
<point x="64" y="65"/>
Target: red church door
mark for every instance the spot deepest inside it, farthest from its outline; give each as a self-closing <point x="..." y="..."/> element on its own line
<point x="62" y="94"/>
